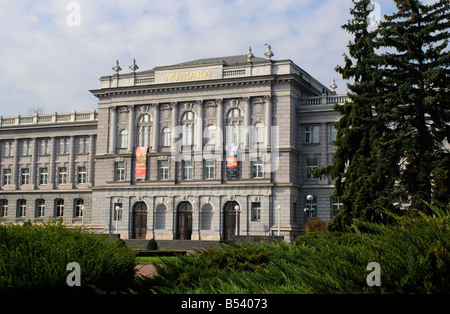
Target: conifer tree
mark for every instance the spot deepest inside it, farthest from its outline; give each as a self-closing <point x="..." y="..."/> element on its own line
<point x="359" y="184"/>
<point x="389" y="145"/>
<point x="416" y="79"/>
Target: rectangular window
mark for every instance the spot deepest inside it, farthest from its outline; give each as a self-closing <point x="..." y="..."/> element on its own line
<point x="311" y="164"/>
<point x="208" y="169"/>
<point x="336" y="204"/>
<point x="8" y="148"/>
<point x="310" y="209"/>
<point x="82" y="175"/>
<point x="163" y="170"/>
<point x="25" y="148"/>
<point x="120" y="171"/>
<point x="3" y="208"/>
<point x="187" y="169"/>
<point x="44" y="147"/>
<point x="312" y="134"/>
<point x="79" y="206"/>
<point x="63" y="146"/>
<point x="59" y="208"/>
<point x="256" y="211"/>
<point x="257" y="168"/>
<point x="25" y="176"/>
<point x="21" y="208"/>
<point x="62" y="175"/>
<point x="43" y="175"/>
<point x="83" y="145"/>
<point x="333" y="133"/>
<point x="7" y="176"/>
<point x="40" y="208"/>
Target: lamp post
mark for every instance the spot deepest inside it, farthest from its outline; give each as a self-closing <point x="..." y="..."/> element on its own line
<point x="238" y="210"/>
<point x="118" y="211"/>
<point x="279" y="218"/>
<point x="82" y="216"/>
<point x="310" y="199"/>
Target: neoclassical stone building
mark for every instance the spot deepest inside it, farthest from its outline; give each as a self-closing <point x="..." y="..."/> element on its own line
<point x="201" y="150"/>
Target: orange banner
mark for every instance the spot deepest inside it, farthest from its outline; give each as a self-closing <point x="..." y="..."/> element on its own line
<point x="141" y="161"/>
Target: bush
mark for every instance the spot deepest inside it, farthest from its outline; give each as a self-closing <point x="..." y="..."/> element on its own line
<point x="314" y="225"/>
<point x="34" y="257"/>
<point x="413" y="254"/>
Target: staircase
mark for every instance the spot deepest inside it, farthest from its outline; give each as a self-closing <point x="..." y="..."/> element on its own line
<point x="185" y="245"/>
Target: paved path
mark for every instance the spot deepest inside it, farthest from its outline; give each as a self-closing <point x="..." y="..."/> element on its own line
<point x="145" y="270"/>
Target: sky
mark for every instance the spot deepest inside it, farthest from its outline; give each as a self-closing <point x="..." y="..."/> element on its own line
<point x="52" y="52"/>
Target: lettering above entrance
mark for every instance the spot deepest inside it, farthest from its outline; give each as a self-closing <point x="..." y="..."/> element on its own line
<point x="188" y="74"/>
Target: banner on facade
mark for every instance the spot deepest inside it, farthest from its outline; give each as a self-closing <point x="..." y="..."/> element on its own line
<point x="141" y="161"/>
<point x="232" y="163"/>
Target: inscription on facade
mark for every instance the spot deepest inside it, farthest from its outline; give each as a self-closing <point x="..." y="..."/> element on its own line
<point x="188" y="75"/>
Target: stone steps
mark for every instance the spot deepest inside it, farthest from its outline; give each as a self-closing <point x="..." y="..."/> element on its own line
<point x="187" y="245"/>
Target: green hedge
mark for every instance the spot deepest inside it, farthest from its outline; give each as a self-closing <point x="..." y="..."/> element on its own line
<point x="34" y="258"/>
<point x="413" y="254"/>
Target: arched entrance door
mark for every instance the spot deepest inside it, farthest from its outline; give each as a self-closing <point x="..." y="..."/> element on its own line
<point x="184" y="221"/>
<point x="230" y="219"/>
<point x="139" y="221"/>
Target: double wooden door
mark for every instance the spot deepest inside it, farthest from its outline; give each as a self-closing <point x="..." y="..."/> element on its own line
<point x="231" y="220"/>
<point x="184" y="221"/>
<point x="139" y="221"/>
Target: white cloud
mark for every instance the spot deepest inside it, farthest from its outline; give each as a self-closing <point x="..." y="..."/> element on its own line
<point x="48" y="64"/>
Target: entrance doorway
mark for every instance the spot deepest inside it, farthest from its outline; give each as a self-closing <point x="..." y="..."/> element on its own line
<point x="139" y="221"/>
<point x="230" y="219"/>
<point x="184" y="221"/>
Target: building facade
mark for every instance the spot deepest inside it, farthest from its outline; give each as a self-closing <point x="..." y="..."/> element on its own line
<point x="201" y="150"/>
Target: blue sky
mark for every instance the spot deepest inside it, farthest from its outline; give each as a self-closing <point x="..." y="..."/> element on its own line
<point x="49" y="64"/>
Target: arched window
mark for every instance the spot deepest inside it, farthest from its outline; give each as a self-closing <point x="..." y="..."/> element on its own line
<point x="145" y="130"/>
<point x="235" y="129"/>
<point x="123" y="139"/>
<point x="166" y="137"/>
<point x="188" y="124"/>
<point x="160" y="216"/>
<point x="206" y="217"/>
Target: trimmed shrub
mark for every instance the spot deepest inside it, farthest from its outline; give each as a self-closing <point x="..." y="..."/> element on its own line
<point x="152" y="245"/>
<point x="34" y="257"/>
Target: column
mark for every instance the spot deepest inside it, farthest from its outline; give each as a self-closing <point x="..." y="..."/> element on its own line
<point x="199" y="126"/>
<point x="91" y="169"/>
<point x="155" y="139"/>
<point x="246" y="101"/>
<point x="34" y="154"/>
<point x="268" y="103"/>
<point x="131" y="130"/>
<point x="220" y="132"/>
<point x="52" y="170"/>
<point x="71" y="174"/>
<point x="15" y="175"/>
<point x="174" y="136"/>
<point x="112" y="129"/>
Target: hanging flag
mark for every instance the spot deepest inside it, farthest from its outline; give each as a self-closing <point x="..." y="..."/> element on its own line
<point x="141" y="161"/>
<point x="232" y="163"/>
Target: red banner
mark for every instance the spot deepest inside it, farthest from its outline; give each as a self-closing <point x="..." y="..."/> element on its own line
<point x="141" y="161"/>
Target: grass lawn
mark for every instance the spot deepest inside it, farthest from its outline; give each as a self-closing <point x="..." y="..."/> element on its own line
<point x="141" y="260"/>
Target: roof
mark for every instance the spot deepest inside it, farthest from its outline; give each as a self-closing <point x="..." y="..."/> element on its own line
<point x="226" y="61"/>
